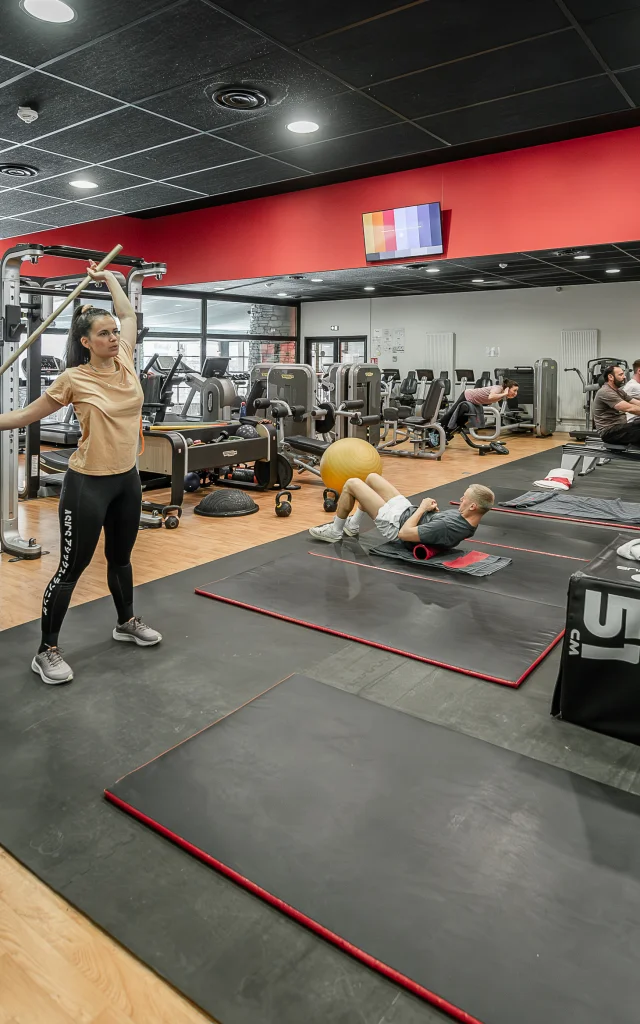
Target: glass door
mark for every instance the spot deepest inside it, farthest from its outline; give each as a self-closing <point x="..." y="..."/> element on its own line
<point x="352" y="350"/>
<point x="321" y="353"/>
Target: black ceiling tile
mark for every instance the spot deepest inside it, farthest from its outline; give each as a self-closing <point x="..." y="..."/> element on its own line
<point x="631" y="82"/>
<point x="431" y="33"/>
<point x="562" y="103"/>
<point x="283" y="77"/>
<point x="70" y="213"/>
<point x="291" y="21"/>
<point x="616" y="38"/>
<point x="368" y="147"/>
<point x="587" y="10"/>
<point x="336" y="115"/>
<point x="107" y="180"/>
<point x="181" y="157"/>
<point x="123" y="131"/>
<point x="58" y="104"/>
<point x="530" y="65"/>
<point x="185" y="43"/>
<point x="9" y="70"/>
<point x="10" y="228"/>
<point x="46" y="164"/>
<point x="261" y="170"/>
<point x="17" y="201"/>
<point x="32" y="41"/>
<point x="144" y="197"/>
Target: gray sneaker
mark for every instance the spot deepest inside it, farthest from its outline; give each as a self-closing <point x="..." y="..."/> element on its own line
<point x="135" y="631"/>
<point x="51" y="666"/>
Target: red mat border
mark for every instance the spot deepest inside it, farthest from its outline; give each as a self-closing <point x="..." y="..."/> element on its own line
<point x="347" y="947"/>
<point x="562" y="519"/>
<point x="514" y="684"/>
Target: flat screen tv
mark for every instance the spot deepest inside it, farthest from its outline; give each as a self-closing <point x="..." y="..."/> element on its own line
<point x="407" y="231"/>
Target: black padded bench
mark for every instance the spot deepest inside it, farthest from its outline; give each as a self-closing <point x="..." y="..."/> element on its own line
<point x="596" y="453"/>
<point x="310" y="445"/>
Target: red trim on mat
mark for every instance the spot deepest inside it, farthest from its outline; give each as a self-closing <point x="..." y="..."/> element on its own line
<point x="325" y="933"/>
<point x="532" y="551"/>
<point x="205" y="727"/>
<point x="563" y="519"/>
<point x="381" y="647"/>
<point x="381" y="568"/>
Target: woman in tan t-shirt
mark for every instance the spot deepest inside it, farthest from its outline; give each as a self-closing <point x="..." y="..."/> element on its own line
<point x="102" y="486"/>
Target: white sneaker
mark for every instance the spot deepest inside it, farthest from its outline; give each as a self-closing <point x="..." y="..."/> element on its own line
<point x="350" y="529"/>
<point x="326" y="532"/>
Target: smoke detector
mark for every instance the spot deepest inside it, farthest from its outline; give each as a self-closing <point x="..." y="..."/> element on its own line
<point x="239" y="97"/>
<point x="17" y="171"/>
<point x="27" y="114"/>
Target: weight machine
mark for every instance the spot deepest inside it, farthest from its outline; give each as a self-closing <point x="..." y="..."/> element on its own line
<point x="12" y="286"/>
<point x="591" y="385"/>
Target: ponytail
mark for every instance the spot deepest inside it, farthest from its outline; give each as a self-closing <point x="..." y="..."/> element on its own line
<point x="83" y="316"/>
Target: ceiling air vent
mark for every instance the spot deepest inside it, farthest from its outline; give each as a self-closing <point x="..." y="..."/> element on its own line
<point x="238" y="97"/>
<point x="17" y="171"/>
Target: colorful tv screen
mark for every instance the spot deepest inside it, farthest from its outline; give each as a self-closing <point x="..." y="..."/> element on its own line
<point x="407" y="231"/>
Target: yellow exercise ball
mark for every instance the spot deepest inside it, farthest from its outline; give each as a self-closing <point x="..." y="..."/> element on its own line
<point x="348" y="457"/>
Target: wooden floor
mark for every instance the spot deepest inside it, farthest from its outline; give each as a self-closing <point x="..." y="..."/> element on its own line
<point x="56" y="967"/>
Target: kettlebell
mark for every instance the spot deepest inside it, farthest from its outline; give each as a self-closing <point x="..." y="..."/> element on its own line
<point x="283" y="504"/>
<point x="330" y="497"/>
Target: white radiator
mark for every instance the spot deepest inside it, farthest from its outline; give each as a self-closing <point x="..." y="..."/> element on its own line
<point x="576" y="347"/>
<point x="440" y="354"/>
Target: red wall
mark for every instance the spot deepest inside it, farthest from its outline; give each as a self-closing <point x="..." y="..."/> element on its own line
<point x="99" y="234"/>
<point x="584" y="191"/>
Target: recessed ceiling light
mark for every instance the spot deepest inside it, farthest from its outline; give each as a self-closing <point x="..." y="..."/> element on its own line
<point x="369" y="288"/>
<point x="282" y="295"/>
<point x="433" y="270"/>
<point x="477" y="280"/>
<point x="613" y="270"/>
<point x="83" y="183"/>
<point x="582" y="256"/>
<point x="303" y="127"/>
<point x="317" y="280"/>
<point x="49" y="10"/>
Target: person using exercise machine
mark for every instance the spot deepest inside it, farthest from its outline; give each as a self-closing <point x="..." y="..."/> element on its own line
<point x="493" y="393"/>
<point x="398" y="519"/>
<point x="102" y="485"/>
<point x="610" y="407"/>
<point x="632" y="389"/>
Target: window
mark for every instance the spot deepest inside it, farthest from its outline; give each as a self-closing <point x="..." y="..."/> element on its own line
<point x="259" y="320"/>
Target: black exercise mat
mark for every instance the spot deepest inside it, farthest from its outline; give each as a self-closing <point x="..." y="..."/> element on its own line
<point x="502" y="889"/>
<point x="505" y="495"/>
<point x="577" y="506"/>
<point x="497" y="628"/>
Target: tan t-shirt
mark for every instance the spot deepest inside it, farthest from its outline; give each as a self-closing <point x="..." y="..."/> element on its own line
<point x="108" y="405"/>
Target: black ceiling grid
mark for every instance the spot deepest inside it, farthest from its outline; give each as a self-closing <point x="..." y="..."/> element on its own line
<point x="560" y="268"/>
<point x="125" y="94"/>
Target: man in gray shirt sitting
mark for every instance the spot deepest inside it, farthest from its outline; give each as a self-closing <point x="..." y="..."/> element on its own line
<point x="398" y="519"/>
<point x="610" y="406"/>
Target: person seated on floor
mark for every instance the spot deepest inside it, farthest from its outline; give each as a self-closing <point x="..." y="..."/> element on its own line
<point x="493" y="393"/>
<point x="398" y="519"/>
<point x="610" y="407"/>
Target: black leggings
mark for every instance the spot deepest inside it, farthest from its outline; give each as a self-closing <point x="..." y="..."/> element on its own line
<point x="87" y="503"/>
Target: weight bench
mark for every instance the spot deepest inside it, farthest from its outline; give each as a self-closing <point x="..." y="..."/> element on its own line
<point x="596" y="453"/>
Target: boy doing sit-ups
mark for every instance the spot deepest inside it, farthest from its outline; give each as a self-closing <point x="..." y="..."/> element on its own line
<point x="397" y="519"/>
